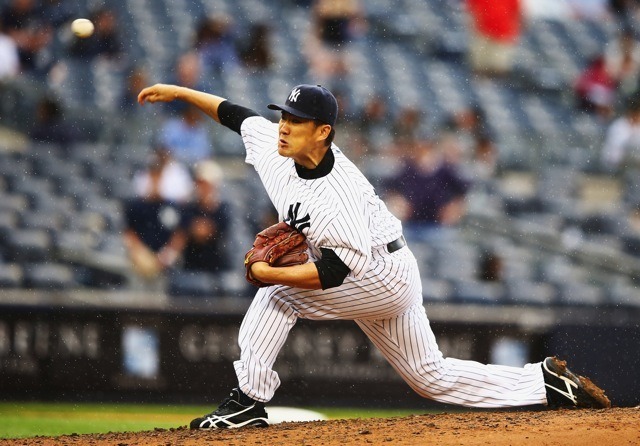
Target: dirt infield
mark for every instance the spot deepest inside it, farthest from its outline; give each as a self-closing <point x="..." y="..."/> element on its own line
<point x="618" y="426"/>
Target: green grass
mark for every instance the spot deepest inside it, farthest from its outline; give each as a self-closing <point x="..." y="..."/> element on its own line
<point x="341" y="413"/>
<point x="21" y="420"/>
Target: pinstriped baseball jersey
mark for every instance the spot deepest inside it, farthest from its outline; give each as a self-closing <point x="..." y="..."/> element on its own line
<point x="339" y="211"/>
<point x="383" y="294"/>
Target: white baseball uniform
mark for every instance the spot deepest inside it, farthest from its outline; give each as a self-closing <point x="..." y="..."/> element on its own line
<point x="338" y="209"/>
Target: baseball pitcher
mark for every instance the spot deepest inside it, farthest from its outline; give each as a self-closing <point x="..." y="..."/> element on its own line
<point x="355" y="264"/>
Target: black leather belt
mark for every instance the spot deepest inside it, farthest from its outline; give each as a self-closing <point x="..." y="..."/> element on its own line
<point x="396" y="244"/>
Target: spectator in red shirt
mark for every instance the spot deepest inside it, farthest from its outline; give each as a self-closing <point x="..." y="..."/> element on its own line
<point x="595" y="90"/>
<point x="495" y="28"/>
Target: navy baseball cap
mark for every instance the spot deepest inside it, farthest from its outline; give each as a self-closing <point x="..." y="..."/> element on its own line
<point x="310" y="102"/>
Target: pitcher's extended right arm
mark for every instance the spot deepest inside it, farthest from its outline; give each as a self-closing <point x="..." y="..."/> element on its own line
<point x="206" y="102"/>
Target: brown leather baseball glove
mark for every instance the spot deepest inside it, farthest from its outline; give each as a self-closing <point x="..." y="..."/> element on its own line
<point x="278" y="245"/>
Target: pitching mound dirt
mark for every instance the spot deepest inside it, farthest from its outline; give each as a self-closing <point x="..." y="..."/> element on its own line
<point x="616" y="426"/>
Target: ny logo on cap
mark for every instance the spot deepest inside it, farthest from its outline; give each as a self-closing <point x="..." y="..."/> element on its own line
<point x="293" y="97"/>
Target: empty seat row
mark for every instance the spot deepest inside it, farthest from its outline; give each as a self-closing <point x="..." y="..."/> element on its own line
<point x="42" y="276"/>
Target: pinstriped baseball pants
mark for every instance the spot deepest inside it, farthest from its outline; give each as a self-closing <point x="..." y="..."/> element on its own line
<point x="387" y="306"/>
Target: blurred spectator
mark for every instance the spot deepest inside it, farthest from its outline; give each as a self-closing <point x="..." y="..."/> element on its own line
<point x="484" y="161"/>
<point x="50" y="125"/>
<point x="633" y="218"/>
<point x="188" y="73"/>
<point x="134" y="124"/>
<point x="136" y="80"/>
<point x="624" y="12"/>
<point x="578" y="9"/>
<point x="23" y="22"/>
<point x="216" y="45"/>
<point x="152" y="216"/>
<point x="428" y="193"/>
<point x="469" y="119"/>
<point x="373" y="121"/>
<point x="149" y="224"/>
<point x="490" y="268"/>
<point x="611" y="76"/>
<point x="164" y="177"/>
<point x="408" y="125"/>
<point x="256" y="52"/>
<point x="189" y="70"/>
<point x="335" y="25"/>
<point x="595" y="89"/>
<point x="105" y="43"/>
<point x="621" y="147"/>
<point x="350" y="137"/>
<point x="452" y="149"/>
<point x="9" y="56"/>
<point x="407" y="135"/>
<point x="495" y="28"/>
<point x="201" y="237"/>
<point x="59" y="12"/>
<point x="469" y="124"/>
<point x="186" y="136"/>
<point x="622" y="62"/>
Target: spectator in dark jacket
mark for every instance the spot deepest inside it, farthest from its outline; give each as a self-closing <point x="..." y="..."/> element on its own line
<point x="201" y="240"/>
<point x="428" y="193"/>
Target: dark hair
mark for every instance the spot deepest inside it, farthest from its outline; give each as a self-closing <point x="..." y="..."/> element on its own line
<point x="49" y="108"/>
<point x="490" y="268"/>
<point x="332" y="133"/>
<point x="329" y="140"/>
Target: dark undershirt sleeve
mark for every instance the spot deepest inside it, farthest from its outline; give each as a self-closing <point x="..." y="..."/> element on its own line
<point x="331" y="269"/>
<point x="232" y="115"/>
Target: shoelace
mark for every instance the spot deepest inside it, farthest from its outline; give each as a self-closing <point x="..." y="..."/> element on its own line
<point x="225" y="403"/>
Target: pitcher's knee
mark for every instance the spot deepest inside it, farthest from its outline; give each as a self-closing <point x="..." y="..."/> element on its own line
<point x="430" y="382"/>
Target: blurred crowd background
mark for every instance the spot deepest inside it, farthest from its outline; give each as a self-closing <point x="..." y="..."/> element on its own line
<point x="505" y="135"/>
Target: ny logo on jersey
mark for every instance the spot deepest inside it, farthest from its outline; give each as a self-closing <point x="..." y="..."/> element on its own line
<point x="293" y="97"/>
<point x="293" y="220"/>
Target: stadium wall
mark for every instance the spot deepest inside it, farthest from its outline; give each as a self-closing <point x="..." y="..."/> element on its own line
<point x="138" y="348"/>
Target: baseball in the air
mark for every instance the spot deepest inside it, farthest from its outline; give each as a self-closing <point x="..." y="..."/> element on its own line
<point x="82" y="28"/>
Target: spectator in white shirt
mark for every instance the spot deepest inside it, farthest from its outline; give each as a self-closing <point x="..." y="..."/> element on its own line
<point x="165" y="177"/>
<point x="622" y="142"/>
<point x="9" y="57"/>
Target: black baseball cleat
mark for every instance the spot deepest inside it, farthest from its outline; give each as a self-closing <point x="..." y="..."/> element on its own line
<point x="565" y="389"/>
<point x="232" y="414"/>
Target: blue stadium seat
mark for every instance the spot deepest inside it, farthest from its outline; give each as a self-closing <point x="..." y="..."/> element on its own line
<point x="436" y="290"/>
<point x="624" y="295"/>
<point x="525" y="292"/>
<point x="36" y="190"/>
<point x="473" y="291"/>
<point x="49" y="276"/>
<point x="110" y="243"/>
<point x="580" y="293"/>
<point x="48" y="221"/>
<point x="28" y="245"/>
<point x="9" y="221"/>
<point x="193" y="284"/>
<point x="514" y="269"/>
<point x="72" y="243"/>
<point x="13" y="202"/>
<point x="559" y="270"/>
<point x="601" y="223"/>
<point x="630" y="243"/>
<point x="10" y="276"/>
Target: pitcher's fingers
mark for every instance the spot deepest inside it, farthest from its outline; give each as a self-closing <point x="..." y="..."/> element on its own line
<point x="144" y="95"/>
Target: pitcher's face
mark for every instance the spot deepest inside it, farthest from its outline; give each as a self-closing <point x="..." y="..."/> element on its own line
<point x="297" y="136"/>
